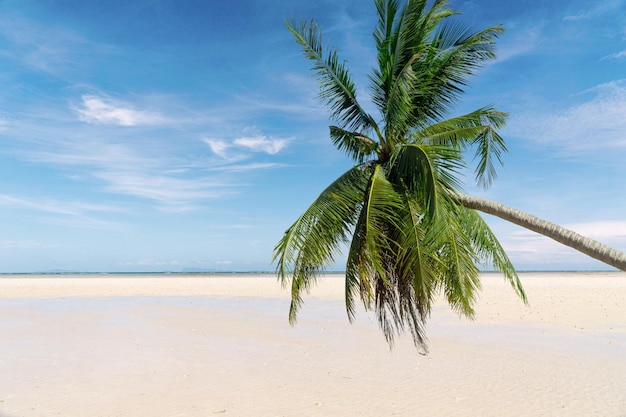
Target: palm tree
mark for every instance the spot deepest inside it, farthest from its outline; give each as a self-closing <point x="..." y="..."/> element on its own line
<point x="410" y="231"/>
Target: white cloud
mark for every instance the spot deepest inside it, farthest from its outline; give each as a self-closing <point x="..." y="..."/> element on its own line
<point x="46" y="48"/>
<point x="245" y="167"/>
<point x="238" y="148"/>
<point x="54" y="206"/>
<point x="528" y="248"/>
<point x="138" y="165"/>
<point x="522" y="42"/>
<point x="261" y="144"/>
<point x="173" y="183"/>
<point x="218" y="147"/>
<point x="616" y="55"/>
<point x="4" y="125"/>
<point x="306" y="104"/>
<point x="173" y="193"/>
<point x="230" y="227"/>
<point x="174" y="174"/>
<point x="608" y="230"/>
<point x="579" y="16"/>
<point x="94" y="153"/>
<point x="21" y="244"/>
<point x="67" y="213"/>
<point x="111" y="112"/>
<point x="600" y="8"/>
<point x="595" y="125"/>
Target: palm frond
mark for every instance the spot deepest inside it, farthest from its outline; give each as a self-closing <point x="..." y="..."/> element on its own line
<point x="356" y="145"/>
<point x="460" y="130"/>
<point x="414" y="167"/>
<point x="479" y="129"/>
<point x="400" y="44"/>
<point x="455" y="54"/>
<point x="425" y="170"/>
<point x="381" y="207"/>
<point x="416" y="284"/>
<point x="489" y="250"/>
<point x="359" y="271"/>
<point x="314" y="239"/>
<point x="458" y="274"/>
<point x="387" y="11"/>
<point x="489" y="146"/>
<point x="370" y="260"/>
<point x="337" y="89"/>
<point x="392" y="83"/>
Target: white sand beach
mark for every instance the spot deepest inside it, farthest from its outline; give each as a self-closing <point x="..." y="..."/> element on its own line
<point x="202" y="345"/>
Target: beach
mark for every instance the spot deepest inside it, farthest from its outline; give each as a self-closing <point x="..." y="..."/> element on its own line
<point x="220" y="344"/>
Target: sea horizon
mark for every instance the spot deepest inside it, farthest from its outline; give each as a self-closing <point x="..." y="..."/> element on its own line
<point x="266" y="272"/>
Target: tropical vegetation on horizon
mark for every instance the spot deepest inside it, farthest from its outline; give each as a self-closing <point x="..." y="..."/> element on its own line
<point x="410" y="230"/>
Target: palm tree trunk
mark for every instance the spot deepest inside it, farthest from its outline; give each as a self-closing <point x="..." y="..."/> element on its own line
<point x="567" y="237"/>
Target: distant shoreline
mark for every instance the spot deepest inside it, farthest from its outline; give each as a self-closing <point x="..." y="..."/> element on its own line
<point x="188" y="273"/>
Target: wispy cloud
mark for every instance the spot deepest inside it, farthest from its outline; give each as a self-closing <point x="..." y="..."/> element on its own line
<point x="308" y="107"/>
<point x="261" y="144"/>
<point x="592" y="126"/>
<point x="245" y="167"/>
<point x="599" y="8"/>
<point x="45" y="48"/>
<point x="218" y="147"/>
<point x="230" y="226"/>
<point x="299" y="97"/>
<point x="172" y="192"/>
<point x="4" y="124"/>
<point x="55" y="206"/>
<point x="173" y="185"/>
<point x="616" y="55"/>
<point x="530" y="248"/>
<point x="608" y="230"/>
<point x="108" y="111"/>
<point x="238" y="148"/>
<point x="68" y="213"/>
<point x="521" y="42"/>
<point x="22" y="244"/>
<point x="175" y="174"/>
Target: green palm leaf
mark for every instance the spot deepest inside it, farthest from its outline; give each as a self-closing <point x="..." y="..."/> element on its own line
<point x="458" y="274"/>
<point x="370" y="259"/>
<point x="380" y="210"/>
<point x="315" y="238"/>
<point x="489" y="250"/>
<point x="477" y="129"/>
<point x="356" y="145"/>
<point x="337" y="88"/>
<point x="455" y="54"/>
<point x="426" y="171"/>
<point x="416" y="284"/>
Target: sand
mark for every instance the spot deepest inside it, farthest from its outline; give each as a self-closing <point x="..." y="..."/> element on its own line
<point x="89" y="346"/>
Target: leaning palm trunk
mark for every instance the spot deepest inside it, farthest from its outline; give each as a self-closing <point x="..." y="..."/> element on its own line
<point x="562" y="235"/>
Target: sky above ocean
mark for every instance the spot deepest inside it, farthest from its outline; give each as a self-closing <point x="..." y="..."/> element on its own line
<point x="155" y="135"/>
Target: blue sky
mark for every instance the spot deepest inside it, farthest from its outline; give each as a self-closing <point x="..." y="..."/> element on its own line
<point x="160" y="135"/>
